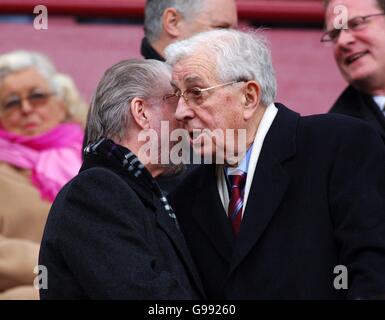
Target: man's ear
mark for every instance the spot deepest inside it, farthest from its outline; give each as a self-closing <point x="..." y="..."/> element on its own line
<point x="252" y="99"/>
<point x="139" y="113"/>
<point x="171" y="22"/>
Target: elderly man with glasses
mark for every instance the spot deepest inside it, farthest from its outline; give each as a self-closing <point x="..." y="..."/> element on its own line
<point x="300" y="214"/>
<point x="359" y="50"/>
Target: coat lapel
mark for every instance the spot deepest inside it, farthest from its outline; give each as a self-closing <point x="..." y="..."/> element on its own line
<point x="167" y="225"/>
<point x="163" y="221"/>
<point x="210" y="216"/>
<point x="269" y="184"/>
<point x="372" y="113"/>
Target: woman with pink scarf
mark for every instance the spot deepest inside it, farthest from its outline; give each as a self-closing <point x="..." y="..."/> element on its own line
<point x="41" y="135"/>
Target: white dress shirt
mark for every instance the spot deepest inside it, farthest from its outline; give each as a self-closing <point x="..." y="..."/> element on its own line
<point x="380" y="100"/>
<point x="264" y="126"/>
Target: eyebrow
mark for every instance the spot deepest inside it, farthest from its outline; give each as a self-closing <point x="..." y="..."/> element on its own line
<point x="188" y="79"/>
<point x="173" y="84"/>
<point x="192" y="78"/>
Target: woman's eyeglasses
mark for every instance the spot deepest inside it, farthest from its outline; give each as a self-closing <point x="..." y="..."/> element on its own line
<point x="35" y="99"/>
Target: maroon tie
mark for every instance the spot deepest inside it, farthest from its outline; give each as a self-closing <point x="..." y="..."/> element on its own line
<point x="237" y="183"/>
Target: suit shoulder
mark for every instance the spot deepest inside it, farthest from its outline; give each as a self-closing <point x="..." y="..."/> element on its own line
<point x="333" y="123"/>
<point x="337" y="128"/>
<point x="92" y="188"/>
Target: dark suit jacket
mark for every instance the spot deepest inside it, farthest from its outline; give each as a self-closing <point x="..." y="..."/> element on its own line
<point x="360" y="105"/>
<point x="317" y="200"/>
<point x="108" y="237"/>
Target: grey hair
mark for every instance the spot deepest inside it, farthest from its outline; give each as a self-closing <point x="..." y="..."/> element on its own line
<point x="109" y="116"/>
<point x="19" y="60"/>
<point x="238" y="55"/>
<point x="155" y="9"/>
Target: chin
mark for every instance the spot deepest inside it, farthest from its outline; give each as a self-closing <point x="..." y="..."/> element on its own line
<point x="360" y="74"/>
<point x="361" y="81"/>
<point x="29" y="133"/>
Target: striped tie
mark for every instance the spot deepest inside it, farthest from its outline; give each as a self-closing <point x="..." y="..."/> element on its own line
<point x="236" y="200"/>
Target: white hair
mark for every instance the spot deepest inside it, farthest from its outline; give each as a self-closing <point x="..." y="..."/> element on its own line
<point x="19" y="60"/>
<point x="155" y="9"/>
<point x="241" y="56"/>
<point x="61" y="84"/>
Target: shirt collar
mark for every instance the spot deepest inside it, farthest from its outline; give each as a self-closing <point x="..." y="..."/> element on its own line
<point x="255" y="148"/>
<point x="380" y="100"/>
<point x="243" y="166"/>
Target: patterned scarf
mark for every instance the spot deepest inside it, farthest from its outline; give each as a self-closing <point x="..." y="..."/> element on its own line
<point x="121" y="156"/>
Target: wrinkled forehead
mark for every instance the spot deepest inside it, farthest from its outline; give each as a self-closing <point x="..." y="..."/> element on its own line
<point x="27" y="78"/>
<point x="340" y="9"/>
<point x="194" y="69"/>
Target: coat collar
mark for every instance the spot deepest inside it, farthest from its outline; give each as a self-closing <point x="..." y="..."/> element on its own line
<point x="359" y="104"/>
<point x="148" y="51"/>
<point x="142" y="190"/>
<point x="150" y="200"/>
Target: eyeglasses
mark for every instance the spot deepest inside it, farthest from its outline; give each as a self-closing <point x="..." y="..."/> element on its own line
<point x="35" y="99"/>
<point x="194" y="96"/>
<point x="355" y="24"/>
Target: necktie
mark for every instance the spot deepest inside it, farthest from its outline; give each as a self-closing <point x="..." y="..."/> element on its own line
<point x="237" y="183"/>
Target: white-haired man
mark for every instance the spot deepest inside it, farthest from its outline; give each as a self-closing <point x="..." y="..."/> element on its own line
<point x="111" y="233"/>
<point x="359" y="51"/>
<point x="305" y="201"/>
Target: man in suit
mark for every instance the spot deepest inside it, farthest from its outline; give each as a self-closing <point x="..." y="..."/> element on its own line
<point x="359" y="50"/>
<point x="111" y="233"/>
<point x="306" y="198"/>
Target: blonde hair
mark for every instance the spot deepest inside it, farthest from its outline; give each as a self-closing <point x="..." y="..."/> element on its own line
<point x="76" y="106"/>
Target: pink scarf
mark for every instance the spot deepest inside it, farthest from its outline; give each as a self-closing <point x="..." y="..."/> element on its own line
<point x="53" y="157"/>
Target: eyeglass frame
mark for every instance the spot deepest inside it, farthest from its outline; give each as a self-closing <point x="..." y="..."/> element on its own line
<point x="4" y="110"/>
<point x="349" y="22"/>
<point x="185" y="98"/>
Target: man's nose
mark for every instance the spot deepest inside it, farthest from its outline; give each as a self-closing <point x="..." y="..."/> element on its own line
<point x="345" y="38"/>
<point x="183" y="111"/>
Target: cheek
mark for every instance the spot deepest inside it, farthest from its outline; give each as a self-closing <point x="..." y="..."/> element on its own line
<point x="10" y="123"/>
<point x="53" y="114"/>
<point x="231" y="113"/>
<point x="337" y="54"/>
<point x="206" y="117"/>
<point x="168" y="115"/>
